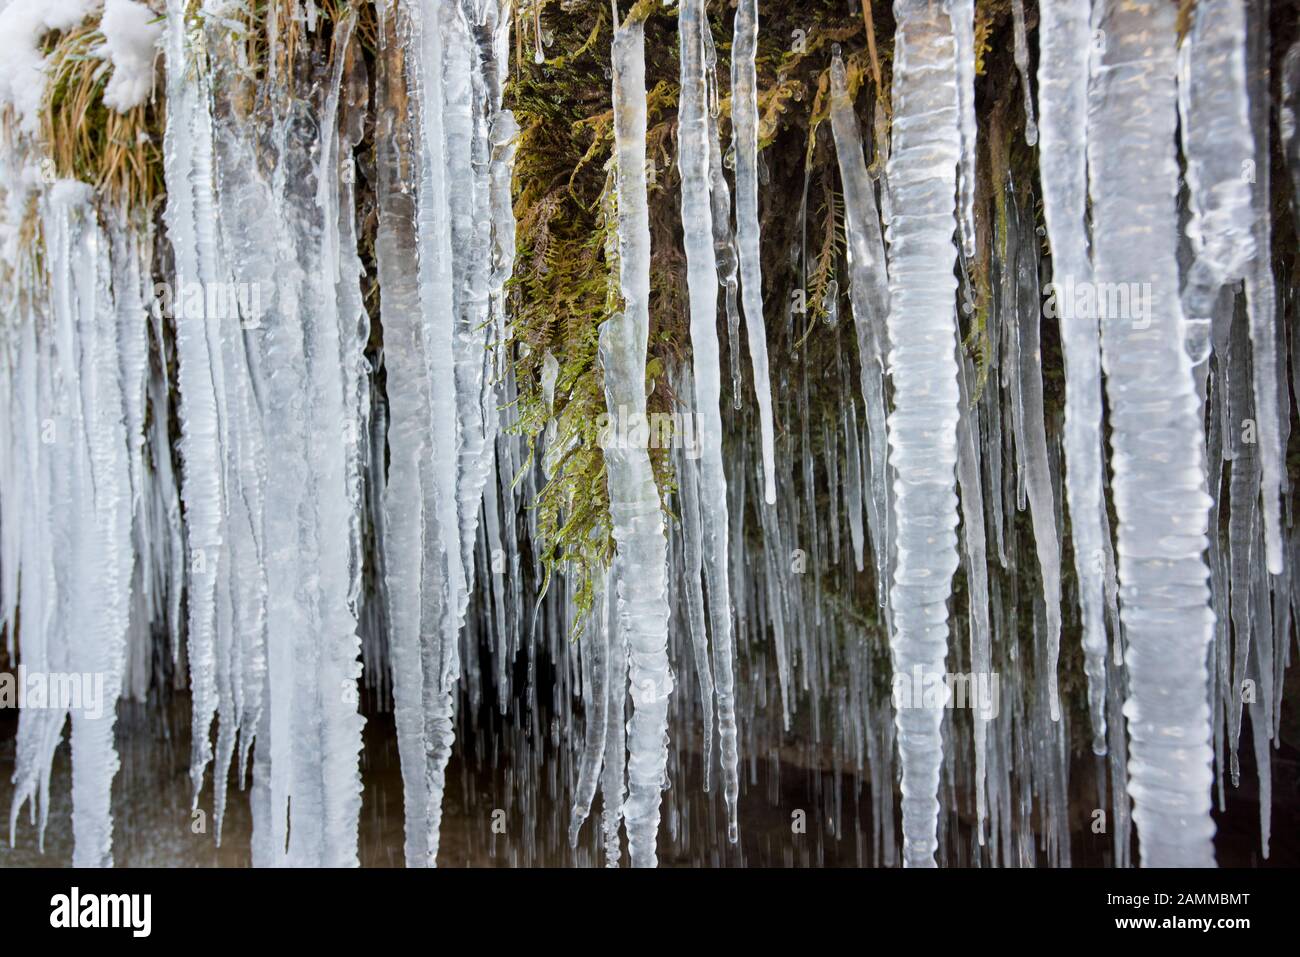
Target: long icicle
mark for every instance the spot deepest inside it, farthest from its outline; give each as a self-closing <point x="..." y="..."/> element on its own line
<point x="869" y="293"/>
<point x="1064" y="47"/>
<point x="1158" y="444"/>
<point x="633" y="496"/>
<point x="923" y="426"/>
<point x="744" y="119"/>
<point x="702" y="277"/>
<point x="397" y="255"/>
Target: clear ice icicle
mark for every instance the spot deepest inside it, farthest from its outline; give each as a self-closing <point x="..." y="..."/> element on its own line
<point x="1033" y="435"/>
<point x="634" y="498"/>
<point x="963" y="28"/>
<point x="711" y="481"/>
<point x="191" y="227"/>
<point x="923" y="427"/>
<point x="1157" y="440"/>
<point x="1261" y="291"/>
<point x="1288" y="122"/>
<point x="1021" y="47"/>
<point x="744" y="118"/>
<point x="595" y="687"/>
<point x="869" y="293"/>
<point x="1064" y="45"/>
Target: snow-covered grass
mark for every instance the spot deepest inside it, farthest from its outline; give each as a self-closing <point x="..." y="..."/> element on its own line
<point x="23" y="63"/>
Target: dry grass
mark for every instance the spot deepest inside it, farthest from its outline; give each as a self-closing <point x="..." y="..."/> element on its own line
<point x="119" y="154"/>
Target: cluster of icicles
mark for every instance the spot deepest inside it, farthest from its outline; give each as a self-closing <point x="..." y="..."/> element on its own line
<point x="330" y="523"/>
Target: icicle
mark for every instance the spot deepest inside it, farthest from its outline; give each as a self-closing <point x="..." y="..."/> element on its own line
<point x="1157" y="438"/>
<point x="1243" y="526"/>
<point x="1214" y="109"/>
<point x="724" y="242"/>
<point x="128" y="250"/>
<point x="331" y="371"/>
<point x="692" y="563"/>
<point x="702" y="276"/>
<point x="1062" y="62"/>
<point x="634" y="499"/>
<point x="963" y="28"/>
<point x="922" y="430"/>
<point x="1261" y="295"/>
<point x="423" y="556"/>
<point x="613" y="781"/>
<point x="93" y="577"/>
<point x="1022" y="65"/>
<point x="595" y="687"/>
<point x="1033" y="436"/>
<point x="976" y="559"/>
<point x="1288" y="122"/>
<point x="744" y="118"/>
<point x="191" y="227"/>
<point x="454" y="239"/>
<point x="869" y="292"/>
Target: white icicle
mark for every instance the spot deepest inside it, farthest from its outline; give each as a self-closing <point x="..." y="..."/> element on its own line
<point x="613" y="778"/>
<point x="634" y="499"/>
<point x="975" y="551"/>
<point x="191" y="227"/>
<point x="963" y="28"/>
<point x="724" y="240"/>
<point x="692" y="562"/>
<point x="1157" y="439"/>
<point x="334" y="618"/>
<point x="869" y="292"/>
<point x="454" y="370"/>
<point x="93" y="564"/>
<point x="1261" y="292"/>
<point x="1021" y="43"/>
<point x="744" y="118"/>
<point x="1288" y="122"/>
<point x="922" y="429"/>
<point x="397" y="256"/>
<point x="1064" y="46"/>
<point x="1024" y="318"/>
<point x="1214" y="110"/>
<point x="702" y="277"/>
<point x="595" y="687"/>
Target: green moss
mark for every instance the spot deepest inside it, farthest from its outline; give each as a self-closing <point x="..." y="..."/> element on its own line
<point x="565" y="282"/>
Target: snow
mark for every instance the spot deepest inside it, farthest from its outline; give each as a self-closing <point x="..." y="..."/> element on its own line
<point x="22" y="67"/>
<point x="130" y="41"/>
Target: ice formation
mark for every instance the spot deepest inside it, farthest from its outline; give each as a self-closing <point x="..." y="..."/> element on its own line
<point x="745" y="143"/>
<point x="266" y="442"/>
<point x="633" y="498"/>
<point x="1158" y="451"/>
<point x="1065" y="45"/>
<point x="923" y="426"/>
